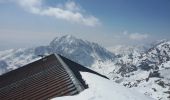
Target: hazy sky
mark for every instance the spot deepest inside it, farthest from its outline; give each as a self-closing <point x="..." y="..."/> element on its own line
<point x="27" y="23"/>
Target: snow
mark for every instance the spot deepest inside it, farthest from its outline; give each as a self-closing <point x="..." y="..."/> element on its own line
<point x="153" y="90"/>
<point x="165" y="73"/>
<point x="103" y="89"/>
<point x="15" y="58"/>
<point x="166" y="64"/>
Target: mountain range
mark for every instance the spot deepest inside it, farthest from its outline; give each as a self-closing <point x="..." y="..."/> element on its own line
<point x="146" y="70"/>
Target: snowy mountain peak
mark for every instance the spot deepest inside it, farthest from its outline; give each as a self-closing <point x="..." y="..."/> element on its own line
<point x="160" y="41"/>
<point x="78" y="49"/>
<point x="164" y="44"/>
<point x="66" y="39"/>
<point x="159" y="53"/>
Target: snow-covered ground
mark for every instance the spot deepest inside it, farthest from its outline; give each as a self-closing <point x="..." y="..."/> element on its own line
<point x="103" y="89"/>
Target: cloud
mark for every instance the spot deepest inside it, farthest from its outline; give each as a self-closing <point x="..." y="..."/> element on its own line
<point x="125" y="33"/>
<point x="72" y="6"/>
<point x="138" y="36"/>
<point x="134" y="36"/>
<point x="70" y="11"/>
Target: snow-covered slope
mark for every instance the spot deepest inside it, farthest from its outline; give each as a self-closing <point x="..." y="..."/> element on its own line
<point x="103" y="89"/>
<point x="148" y="72"/>
<point x="14" y="58"/>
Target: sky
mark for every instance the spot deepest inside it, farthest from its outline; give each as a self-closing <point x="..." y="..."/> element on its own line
<point x="29" y="23"/>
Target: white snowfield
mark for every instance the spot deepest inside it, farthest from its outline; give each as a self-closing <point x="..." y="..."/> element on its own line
<point x="103" y="89"/>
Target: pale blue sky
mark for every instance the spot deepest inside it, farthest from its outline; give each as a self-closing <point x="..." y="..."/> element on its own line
<point x="27" y="23"/>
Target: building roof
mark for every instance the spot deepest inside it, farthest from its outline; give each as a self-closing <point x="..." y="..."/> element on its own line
<point x="49" y="77"/>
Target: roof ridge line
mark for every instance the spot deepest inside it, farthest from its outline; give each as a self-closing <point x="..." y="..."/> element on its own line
<point x="77" y="83"/>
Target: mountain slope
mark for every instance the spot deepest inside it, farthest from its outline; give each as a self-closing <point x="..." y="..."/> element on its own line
<point x="103" y="89"/>
<point x="83" y="52"/>
<point x="148" y="72"/>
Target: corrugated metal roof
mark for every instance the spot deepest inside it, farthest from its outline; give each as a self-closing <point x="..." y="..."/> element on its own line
<point x="49" y="77"/>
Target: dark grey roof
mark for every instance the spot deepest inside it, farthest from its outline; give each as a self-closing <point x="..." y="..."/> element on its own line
<point x="49" y="77"/>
